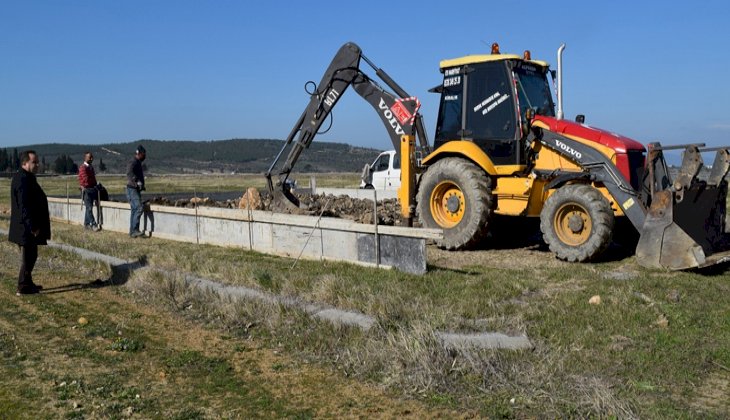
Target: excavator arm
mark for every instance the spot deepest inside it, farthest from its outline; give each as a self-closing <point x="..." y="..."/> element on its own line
<point x="398" y="111"/>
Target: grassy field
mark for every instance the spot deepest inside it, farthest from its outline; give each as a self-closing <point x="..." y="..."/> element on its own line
<point x="657" y="346"/>
<point x="165" y="184"/>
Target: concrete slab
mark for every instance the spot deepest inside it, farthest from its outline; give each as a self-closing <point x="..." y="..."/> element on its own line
<point x="487" y="340"/>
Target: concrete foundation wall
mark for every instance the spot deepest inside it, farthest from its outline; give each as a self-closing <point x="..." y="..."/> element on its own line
<point x="272" y="233"/>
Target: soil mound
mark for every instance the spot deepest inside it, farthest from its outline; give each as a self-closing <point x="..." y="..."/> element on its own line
<point x="342" y="206"/>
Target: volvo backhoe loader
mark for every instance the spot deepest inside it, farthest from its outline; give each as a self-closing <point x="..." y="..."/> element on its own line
<point x="500" y="147"/>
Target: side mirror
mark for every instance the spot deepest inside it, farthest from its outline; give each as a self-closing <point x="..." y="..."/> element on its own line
<point x="580" y="119"/>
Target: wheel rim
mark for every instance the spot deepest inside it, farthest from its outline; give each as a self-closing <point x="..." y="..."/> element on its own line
<point x="572" y="224"/>
<point x="447" y="204"/>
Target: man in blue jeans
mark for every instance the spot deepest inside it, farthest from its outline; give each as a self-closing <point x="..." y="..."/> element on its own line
<point x="87" y="183"/>
<point x="135" y="186"/>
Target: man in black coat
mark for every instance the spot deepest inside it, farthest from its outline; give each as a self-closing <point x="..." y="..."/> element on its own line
<point x="30" y="224"/>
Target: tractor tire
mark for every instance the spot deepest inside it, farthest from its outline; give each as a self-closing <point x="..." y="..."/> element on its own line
<point x="456" y="196"/>
<point x="577" y="223"/>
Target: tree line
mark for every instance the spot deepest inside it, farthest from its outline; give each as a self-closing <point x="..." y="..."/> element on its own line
<point x="10" y="162"/>
<point x="185" y="156"/>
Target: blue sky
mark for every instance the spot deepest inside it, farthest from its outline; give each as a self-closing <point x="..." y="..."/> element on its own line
<point x="97" y="71"/>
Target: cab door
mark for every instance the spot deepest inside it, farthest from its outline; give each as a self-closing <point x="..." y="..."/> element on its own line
<point x="381" y="171"/>
<point x="393" y="182"/>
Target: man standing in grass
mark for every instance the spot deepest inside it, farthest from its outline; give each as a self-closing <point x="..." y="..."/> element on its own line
<point x="135" y="186"/>
<point x="30" y="224"/>
<point x="87" y="182"/>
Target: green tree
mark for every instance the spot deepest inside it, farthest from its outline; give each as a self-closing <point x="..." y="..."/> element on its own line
<point x="65" y="165"/>
<point x="15" y="162"/>
<point x="4" y="161"/>
<point x="102" y="167"/>
<point x="59" y="165"/>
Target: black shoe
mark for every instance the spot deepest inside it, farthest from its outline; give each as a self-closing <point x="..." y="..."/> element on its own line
<point x="29" y="290"/>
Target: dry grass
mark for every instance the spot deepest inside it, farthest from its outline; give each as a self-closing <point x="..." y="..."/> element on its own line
<point x="606" y="360"/>
<point x="155" y="348"/>
<point x="401" y="354"/>
<point x="580" y="365"/>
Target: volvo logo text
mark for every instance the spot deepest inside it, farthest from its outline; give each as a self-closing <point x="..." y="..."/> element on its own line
<point x="568" y="149"/>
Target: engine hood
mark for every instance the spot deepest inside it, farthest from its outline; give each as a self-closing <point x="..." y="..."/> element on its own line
<point x="615" y="141"/>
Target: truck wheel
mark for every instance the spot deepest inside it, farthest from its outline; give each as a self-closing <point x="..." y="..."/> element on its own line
<point x="577" y="223"/>
<point x="456" y="195"/>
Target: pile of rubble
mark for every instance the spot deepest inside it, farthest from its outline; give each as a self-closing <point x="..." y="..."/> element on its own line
<point x="343" y="207"/>
<point x="357" y="210"/>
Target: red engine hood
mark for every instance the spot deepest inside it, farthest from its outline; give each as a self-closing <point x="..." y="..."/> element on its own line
<point x="616" y="142"/>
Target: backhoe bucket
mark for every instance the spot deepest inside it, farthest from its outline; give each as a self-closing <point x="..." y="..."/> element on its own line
<point x="685" y="224"/>
<point x="284" y="201"/>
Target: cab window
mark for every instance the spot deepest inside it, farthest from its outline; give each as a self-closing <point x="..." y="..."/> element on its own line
<point x="452" y="90"/>
<point x="533" y="90"/>
<point x="382" y="164"/>
<point x="489" y="107"/>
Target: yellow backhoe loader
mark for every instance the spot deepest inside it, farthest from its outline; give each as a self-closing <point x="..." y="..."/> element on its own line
<point x="501" y="147"/>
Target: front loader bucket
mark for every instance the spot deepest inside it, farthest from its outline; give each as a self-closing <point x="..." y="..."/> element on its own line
<point x="685" y="224"/>
<point x="689" y="234"/>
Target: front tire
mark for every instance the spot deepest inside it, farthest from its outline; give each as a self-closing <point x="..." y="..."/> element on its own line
<point x="456" y="195"/>
<point x="577" y="223"/>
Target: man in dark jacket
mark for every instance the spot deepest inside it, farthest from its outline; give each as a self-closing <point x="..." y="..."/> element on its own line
<point x="30" y="224"/>
<point x="135" y="186"/>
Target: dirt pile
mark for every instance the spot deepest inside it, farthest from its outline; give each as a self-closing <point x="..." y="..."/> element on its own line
<point x="342" y="207"/>
<point x="357" y="210"/>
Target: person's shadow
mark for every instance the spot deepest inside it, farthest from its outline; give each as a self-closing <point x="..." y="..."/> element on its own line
<point x="119" y="276"/>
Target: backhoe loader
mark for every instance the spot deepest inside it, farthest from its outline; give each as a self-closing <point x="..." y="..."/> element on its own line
<point x="501" y="148"/>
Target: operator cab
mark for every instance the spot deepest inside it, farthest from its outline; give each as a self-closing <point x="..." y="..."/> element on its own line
<point x="484" y="99"/>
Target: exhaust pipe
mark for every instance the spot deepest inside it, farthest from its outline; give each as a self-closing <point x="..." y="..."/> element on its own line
<point x="560" y="81"/>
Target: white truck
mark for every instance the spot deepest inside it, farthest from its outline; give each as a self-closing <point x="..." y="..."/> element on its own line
<point x="383" y="173"/>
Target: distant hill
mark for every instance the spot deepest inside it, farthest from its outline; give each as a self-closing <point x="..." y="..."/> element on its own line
<point x="239" y="155"/>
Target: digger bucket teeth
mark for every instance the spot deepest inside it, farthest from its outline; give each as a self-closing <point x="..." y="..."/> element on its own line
<point x="719" y="167"/>
<point x="685" y="225"/>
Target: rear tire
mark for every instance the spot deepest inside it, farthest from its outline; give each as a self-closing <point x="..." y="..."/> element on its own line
<point x="456" y="195"/>
<point x="577" y="223"/>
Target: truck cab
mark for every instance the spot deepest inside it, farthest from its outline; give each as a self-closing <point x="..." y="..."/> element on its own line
<point x="383" y="173"/>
